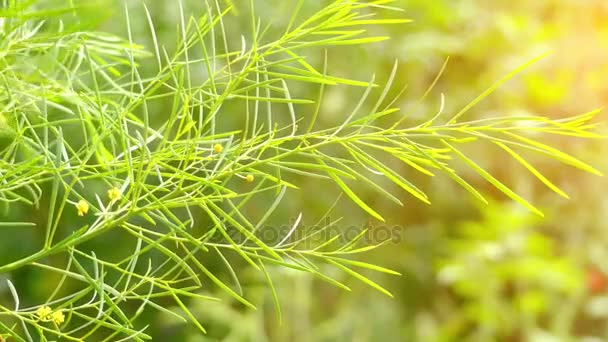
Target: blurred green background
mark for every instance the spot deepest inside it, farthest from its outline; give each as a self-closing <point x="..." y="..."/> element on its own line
<point x="470" y="272"/>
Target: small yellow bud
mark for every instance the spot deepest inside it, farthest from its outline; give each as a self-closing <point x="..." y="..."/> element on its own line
<point x="114" y="194"/>
<point x="58" y="317"/>
<point x="83" y="207"/>
<point x="44" y="312"/>
<point x="249" y="178"/>
<point x="218" y="148"/>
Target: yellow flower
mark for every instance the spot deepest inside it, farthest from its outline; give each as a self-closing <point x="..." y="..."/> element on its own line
<point x="83" y="207"/>
<point x="44" y="312"/>
<point x="114" y="194"/>
<point x="58" y="317"/>
<point x="249" y="178"/>
<point x="218" y="148"/>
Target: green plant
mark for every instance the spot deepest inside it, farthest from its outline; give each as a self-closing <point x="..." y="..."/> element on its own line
<point x="520" y="262"/>
<point x="81" y="137"/>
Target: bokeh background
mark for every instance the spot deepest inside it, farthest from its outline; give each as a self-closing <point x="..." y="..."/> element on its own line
<point x="470" y="272"/>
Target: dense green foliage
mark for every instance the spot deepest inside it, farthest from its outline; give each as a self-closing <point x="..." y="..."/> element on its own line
<point x="271" y="170"/>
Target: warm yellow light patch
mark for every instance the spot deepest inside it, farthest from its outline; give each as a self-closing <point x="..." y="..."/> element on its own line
<point x="83" y="207"/>
<point x="218" y="148"/>
<point x="114" y="194"/>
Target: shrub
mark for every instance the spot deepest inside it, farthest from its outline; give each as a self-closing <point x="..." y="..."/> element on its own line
<point x="89" y="159"/>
